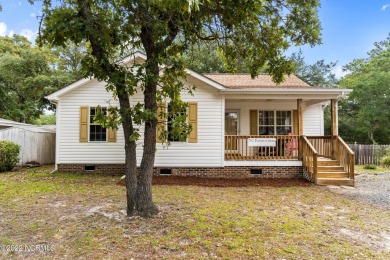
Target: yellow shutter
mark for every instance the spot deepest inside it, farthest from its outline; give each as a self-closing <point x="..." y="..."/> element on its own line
<point x="253" y="115"/>
<point x="161" y="122"/>
<point x="193" y="121"/>
<point x="111" y="134"/>
<point x="84" y="123"/>
<point x="295" y="122"/>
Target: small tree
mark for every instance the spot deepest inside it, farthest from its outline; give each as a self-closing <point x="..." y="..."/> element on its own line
<point x="254" y="32"/>
<point x="9" y="155"/>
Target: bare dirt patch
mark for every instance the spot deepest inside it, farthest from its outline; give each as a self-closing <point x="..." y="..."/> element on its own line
<point x="83" y="217"/>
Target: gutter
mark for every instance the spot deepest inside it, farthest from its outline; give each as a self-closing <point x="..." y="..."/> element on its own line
<point x="341" y="92"/>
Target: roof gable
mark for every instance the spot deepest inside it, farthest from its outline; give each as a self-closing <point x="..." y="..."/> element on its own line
<point x="136" y="57"/>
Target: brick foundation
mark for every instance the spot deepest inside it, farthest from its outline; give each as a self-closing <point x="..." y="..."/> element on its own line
<point x="233" y="172"/>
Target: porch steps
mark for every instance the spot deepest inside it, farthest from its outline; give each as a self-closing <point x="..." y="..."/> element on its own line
<point x="330" y="172"/>
<point x="335" y="181"/>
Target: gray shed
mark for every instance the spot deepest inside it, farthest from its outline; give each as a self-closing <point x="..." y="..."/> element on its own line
<point x="37" y="142"/>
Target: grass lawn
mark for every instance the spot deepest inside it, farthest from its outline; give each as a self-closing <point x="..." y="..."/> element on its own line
<point x="379" y="169"/>
<point x="83" y="216"/>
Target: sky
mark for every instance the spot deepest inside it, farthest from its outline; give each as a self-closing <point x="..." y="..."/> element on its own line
<point x="349" y="27"/>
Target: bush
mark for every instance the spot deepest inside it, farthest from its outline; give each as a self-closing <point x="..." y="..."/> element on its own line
<point x="386" y="161"/>
<point x="370" y="167"/>
<point x="9" y="155"/>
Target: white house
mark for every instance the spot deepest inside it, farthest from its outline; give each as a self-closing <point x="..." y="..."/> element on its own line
<point x="242" y="127"/>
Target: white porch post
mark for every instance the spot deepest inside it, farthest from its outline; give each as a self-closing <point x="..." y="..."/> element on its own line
<point x="300" y="117"/>
<point x="223" y="105"/>
<point x="334" y="127"/>
<point x="335" y="119"/>
<point x="300" y="125"/>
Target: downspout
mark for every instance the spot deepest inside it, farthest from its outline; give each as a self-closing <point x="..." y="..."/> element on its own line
<point x="55" y="160"/>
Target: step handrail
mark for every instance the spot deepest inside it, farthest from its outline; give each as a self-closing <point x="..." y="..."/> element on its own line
<point x="346" y="157"/>
<point x="309" y="159"/>
<point x="345" y="145"/>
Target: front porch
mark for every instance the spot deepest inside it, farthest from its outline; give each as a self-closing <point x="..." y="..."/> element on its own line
<point x="258" y="133"/>
<point x="326" y="160"/>
<point x="261" y="147"/>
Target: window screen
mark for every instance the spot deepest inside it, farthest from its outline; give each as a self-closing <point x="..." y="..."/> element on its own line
<point x="97" y="133"/>
<point x="174" y="136"/>
<point x="275" y="122"/>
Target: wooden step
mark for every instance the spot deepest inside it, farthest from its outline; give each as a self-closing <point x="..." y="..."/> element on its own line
<point x="325" y="174"/>
<point x="330" y="168"/>
<point x="328" y="163"/>
<point x="335" y="181"/>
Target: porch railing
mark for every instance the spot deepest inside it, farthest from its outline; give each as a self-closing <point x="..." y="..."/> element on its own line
<point x="309" y="159"/>
<point x="334" y="148"/>
<point x="322" y="144"/>
<point x="346" y="156"/>
<point x="238" y="147"/>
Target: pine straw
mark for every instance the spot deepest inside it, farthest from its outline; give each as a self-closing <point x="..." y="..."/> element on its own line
<point x="224" y="182"/>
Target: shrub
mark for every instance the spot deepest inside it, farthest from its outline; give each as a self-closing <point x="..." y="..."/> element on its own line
<point x="386" y="161"/>
<point x="370" y="167"/>
<point x="9" y="155"/>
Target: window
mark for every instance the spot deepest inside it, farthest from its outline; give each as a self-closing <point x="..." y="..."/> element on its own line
<point x="275" y="122"/>
<point x="97" y="133"/>
<point x="174" y="118"/>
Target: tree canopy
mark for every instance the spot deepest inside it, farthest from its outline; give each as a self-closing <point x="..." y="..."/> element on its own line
<point x="203" y="57"/>
<point x="319" y="74"/>
<point x="254" y="32"/>
<point x="365" y="116"/>
<point x="27" y="74"/>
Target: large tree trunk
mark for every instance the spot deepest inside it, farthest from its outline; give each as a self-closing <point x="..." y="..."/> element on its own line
<point x="145" y="204"/>
<point x="130" y="155"/>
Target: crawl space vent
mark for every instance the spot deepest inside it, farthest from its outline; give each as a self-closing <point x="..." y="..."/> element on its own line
<point x="256" y="171"/>
<point x="165" y="171"/>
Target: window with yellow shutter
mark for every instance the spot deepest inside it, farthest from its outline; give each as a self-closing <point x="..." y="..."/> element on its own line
<point x="192" y="119"/>
<point x="91" y="131"/>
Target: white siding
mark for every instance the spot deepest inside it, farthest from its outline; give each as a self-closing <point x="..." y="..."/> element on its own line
<point x="313" y="120"/>
<point x="207" y="152"/>
<point x="312" y="115"/>
<point x="70" y="150"/>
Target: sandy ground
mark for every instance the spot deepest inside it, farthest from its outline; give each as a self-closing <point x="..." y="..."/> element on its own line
<point x="371" y="188"/>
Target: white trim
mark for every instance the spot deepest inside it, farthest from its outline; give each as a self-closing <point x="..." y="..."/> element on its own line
<point x="137" y="55"/>
<point x="184" y="165"/>
<point x="58" y="130"/>
<point x="275" y="120"/>
<point x="339" y="91"/>
<point x="54" y="96"/>
<point x="270" y="163"/>
<point x="89" y="126"/>
<point x="238" y="120"/>
<point x="223" y="132"/>
<point x="134" y="56"/>
<point x="322" y="121"/>
<point x="205" y="79"/>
